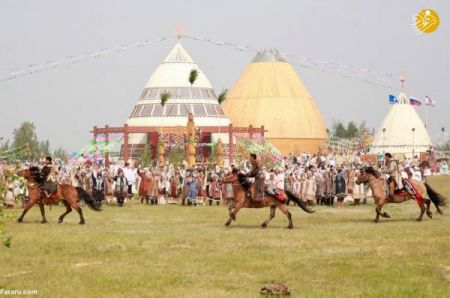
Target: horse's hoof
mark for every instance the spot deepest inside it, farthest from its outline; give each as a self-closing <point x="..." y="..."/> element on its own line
<point x="386" y="215"/>
<point x="263" y="226"/>
<point x="290" y="227"/>
<point x="419" y="219"/>
<point x="43" y="222"/>
<point x="81" y="222"/>
<point x="430" y="215"/>
<point x="376" y="220"/>
<point x="19" y="220"/>
<point x="60" y="221"/>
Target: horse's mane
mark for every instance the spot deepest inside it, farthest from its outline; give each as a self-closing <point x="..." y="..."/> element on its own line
<point x="35" y="173"/>
<point x="372" y="171"/>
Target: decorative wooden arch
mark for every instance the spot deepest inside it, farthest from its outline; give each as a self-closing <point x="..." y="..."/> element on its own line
<point x="126" y="130"/>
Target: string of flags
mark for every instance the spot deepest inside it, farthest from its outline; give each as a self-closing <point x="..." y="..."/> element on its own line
<point x="345" y="71"/>
<point x="412" y="101"/>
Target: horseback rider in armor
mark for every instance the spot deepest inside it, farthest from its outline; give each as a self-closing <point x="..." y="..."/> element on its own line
<point x="48" y="177"/>
<point x="391" y="169"/>
<point x="259" y="179"/>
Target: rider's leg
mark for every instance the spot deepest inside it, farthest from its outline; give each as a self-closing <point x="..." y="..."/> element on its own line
<point x="391" y="190"/>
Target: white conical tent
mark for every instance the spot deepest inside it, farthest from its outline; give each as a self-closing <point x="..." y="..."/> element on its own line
<point x="402" y="130"/>
<point x="172" y="76"/>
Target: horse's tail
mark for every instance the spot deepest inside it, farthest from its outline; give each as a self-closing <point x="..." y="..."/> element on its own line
<point x="437" y="199"/>
<point x="299" y="202"/>
<point x="82" y="194"/>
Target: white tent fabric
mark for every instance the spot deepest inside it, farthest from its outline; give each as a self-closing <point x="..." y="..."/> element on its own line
<point x="402" y="131"/>
<point x="172" y="76"/>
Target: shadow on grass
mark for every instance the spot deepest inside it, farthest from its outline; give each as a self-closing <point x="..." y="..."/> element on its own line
<point x="256" y="227"/>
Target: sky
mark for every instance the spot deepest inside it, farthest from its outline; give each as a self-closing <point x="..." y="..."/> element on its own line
<point x="65" y="103"/>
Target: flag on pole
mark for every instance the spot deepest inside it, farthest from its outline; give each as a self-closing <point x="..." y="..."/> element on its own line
<point x="415" y="102"/>
<point x="392" y="99"/>
<point x="429" y="101"/>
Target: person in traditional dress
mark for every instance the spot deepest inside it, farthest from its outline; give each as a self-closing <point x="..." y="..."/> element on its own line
<point x="49" y="177"/>
<point x="155" y="187"/>
<point x="86" y="182"/>
<point x="320" y="186"/>
<point x="296" y="185"/>
<point x="98" y="188"/>
<point x="8" y="196"/>
<point x="227" y="187"/>
<point x="151" y="187"/>
<point x="310" y="188"/>
<point x="349" y="179"/>
<point x="175" y="186"/>
<point x="392" y="171"/>
<point x="143" y="185"/>
<point x="340" y="187"/>
<point x="131" y="174"/>
<point x="443" y="167"/>
<point x="303" y="183"/>
<point x="109" y="191"/>
<point x="163" y="187"/>
<point x="121" y="187"/>
<point x="193" y="187"/>
<point x="201" y="180"/>
<point x="259" y="180"/>
<point x="215" y="190"/>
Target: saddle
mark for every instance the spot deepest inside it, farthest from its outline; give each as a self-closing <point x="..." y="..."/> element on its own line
<point x="278" y="193"/>
<point x="408" y="189"/>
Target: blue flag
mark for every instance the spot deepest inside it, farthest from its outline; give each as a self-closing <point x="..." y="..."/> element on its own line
<point x="392" y="99"/>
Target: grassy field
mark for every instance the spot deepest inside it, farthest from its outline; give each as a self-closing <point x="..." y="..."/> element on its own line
<point x="174" y="251"/>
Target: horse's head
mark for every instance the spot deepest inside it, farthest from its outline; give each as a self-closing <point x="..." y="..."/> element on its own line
<point x="32" y="173"/>
<point x="365" y="174"/>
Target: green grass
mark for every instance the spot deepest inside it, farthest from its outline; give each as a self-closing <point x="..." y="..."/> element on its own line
<point x="174" y="251"/>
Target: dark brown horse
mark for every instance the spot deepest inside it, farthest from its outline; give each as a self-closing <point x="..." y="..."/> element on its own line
<point x="68" y="194"/>
<point x="378" y="186"/>
<point x="240" y="201"/>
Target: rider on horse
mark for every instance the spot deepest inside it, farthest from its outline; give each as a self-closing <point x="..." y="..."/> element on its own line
<point x="49" y="177"/>
<point x="391" y="169"/>
<point x="259" y="179"/>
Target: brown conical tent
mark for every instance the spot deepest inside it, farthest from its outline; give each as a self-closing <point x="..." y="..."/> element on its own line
<point x="270" y="93"/>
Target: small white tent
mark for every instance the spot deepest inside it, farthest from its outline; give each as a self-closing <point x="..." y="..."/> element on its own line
<point x="402" y="130"/>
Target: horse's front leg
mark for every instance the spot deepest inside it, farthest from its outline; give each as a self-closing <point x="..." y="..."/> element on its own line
<point x="380" y="205"/>
<point x="230" y="211"/>
<point x="28" y="206"/>
<point x="41" y="206"/>
<point x="233" y="213"/>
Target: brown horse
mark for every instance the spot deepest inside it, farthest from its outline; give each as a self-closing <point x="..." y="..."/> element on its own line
<point x="68" y="194"/>
<point x="378" y="186"/>
<point x="240" y="201"/>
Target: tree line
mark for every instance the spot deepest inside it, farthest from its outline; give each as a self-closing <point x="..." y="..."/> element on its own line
<point x="350" y="131"/>
<point x="25" y="145"/>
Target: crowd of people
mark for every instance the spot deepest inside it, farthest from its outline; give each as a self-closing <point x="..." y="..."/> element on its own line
<point x="315" y="178"/>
